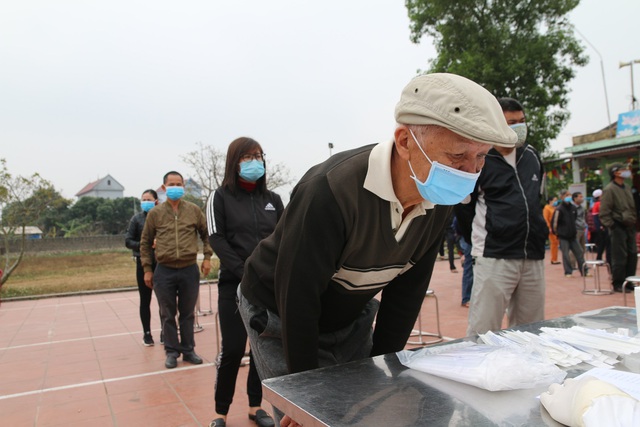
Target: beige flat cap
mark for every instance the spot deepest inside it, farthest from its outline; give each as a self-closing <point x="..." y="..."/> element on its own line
<point x="457" y="104"/>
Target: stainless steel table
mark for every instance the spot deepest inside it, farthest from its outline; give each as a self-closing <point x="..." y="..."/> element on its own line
<point x="379" y="391"/>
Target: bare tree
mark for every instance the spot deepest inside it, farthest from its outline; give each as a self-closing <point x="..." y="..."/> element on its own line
<point x="208" y="164"/>
<point x="17" y="210"/>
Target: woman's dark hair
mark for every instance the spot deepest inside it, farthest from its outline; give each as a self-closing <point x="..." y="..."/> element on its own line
<point x="152" y="192"/>
<point x="238" y="148"/>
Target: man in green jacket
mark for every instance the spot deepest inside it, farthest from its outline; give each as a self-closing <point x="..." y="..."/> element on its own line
<point x="618" y="214"/>
<point x="172" y="229"/>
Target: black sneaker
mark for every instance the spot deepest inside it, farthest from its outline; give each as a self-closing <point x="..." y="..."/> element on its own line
<point x="191" y="357"/>
<point x="171" y="362"/>
<point x="147" y="340"/>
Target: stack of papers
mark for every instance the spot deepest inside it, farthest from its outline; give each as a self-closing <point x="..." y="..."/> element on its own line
<point x="569" y="347"/>
<point x="512" y="360"/>
<point x="595" y="338"/>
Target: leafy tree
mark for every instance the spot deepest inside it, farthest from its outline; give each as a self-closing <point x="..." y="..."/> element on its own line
<point x="104" y="215"/>
<point x="83" y="215"/>
<point x="521" y="49"/>
<point x="91" y="216"/>
<point x="54" y="210"/>
<point x="208" y="164"/>
<point x="122" y="211"/>
<point x="18" y="209"/>
<point x="113" y="215"/>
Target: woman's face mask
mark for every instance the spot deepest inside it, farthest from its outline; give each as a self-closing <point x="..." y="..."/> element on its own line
<point x="251" y="170"/>
<point x="147" y="205"/>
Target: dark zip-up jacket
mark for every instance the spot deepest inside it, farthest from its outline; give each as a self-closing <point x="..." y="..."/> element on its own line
<point x="132" y="238"/>
<point x="505" y="209"/>
<point x="563" y="222"/>
<point x="237" y="222"/>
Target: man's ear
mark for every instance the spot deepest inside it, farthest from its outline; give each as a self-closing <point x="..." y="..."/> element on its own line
<point x="402" y="138"/>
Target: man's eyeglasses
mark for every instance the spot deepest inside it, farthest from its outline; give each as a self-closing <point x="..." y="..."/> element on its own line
<point x="249" y="157"/>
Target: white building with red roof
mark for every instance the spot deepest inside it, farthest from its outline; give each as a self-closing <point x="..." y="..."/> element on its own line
<point x="107" y="188"/>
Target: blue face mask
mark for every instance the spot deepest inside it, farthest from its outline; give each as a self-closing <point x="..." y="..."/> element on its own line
<point x="175" y="193"/>
<point x="444" y="185"/>
<point x="568" y="199"/>
<point x="252" y="170"/>
<point x="521" y="130"/>
<point x="146" y="205"/>
<point x="625" y="174"/>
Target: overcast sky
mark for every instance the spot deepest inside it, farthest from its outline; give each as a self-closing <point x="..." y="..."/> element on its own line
<point x="89" y="88"/>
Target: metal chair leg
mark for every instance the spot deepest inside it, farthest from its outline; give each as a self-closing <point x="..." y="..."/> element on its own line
<point x="437" y="337"/>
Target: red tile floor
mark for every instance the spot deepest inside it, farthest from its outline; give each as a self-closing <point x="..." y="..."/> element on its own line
<point x="79" y="360"/>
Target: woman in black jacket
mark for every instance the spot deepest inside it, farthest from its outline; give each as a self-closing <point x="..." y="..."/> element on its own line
<point x="148" y="200"/>
<point x="239" y="214"/>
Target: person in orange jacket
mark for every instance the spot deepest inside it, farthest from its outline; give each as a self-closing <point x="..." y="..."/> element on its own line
<point x="547" y="212"/>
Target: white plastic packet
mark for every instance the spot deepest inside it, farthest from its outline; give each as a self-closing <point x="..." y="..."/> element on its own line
<point x="487" y="367"/>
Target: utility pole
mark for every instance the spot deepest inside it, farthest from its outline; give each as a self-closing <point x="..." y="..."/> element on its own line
<point x="634" y="102"/>
<point x="604" y="83"/>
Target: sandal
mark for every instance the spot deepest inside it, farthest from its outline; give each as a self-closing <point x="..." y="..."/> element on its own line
<point x="262" y="419"/>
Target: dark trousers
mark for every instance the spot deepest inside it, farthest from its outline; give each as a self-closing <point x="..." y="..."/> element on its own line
<point x="624" y="254"/>
<point x="451" y="246"/>
<point x="177" y="291"/>
<point x="353" y="342"/>
<point x="572" y="245"/>
<point x="145" y="298"/>
<point x="234" y="342"/>
<point x="467" y="271"/>
<point x="603" y="243"/>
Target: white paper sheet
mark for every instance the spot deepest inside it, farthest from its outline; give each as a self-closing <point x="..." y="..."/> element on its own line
<point x="625" y="381"/>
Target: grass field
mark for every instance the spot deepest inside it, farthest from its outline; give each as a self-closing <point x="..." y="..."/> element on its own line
<point x="72" y="272"/>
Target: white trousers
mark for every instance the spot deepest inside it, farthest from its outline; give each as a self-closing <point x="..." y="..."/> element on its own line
<point x="514" y="286"/>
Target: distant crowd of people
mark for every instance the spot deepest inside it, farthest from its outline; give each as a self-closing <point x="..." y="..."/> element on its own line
<point x="360" y="236"/>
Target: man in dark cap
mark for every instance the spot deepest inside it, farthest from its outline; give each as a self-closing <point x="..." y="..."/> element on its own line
<point x="618" y="214"/>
